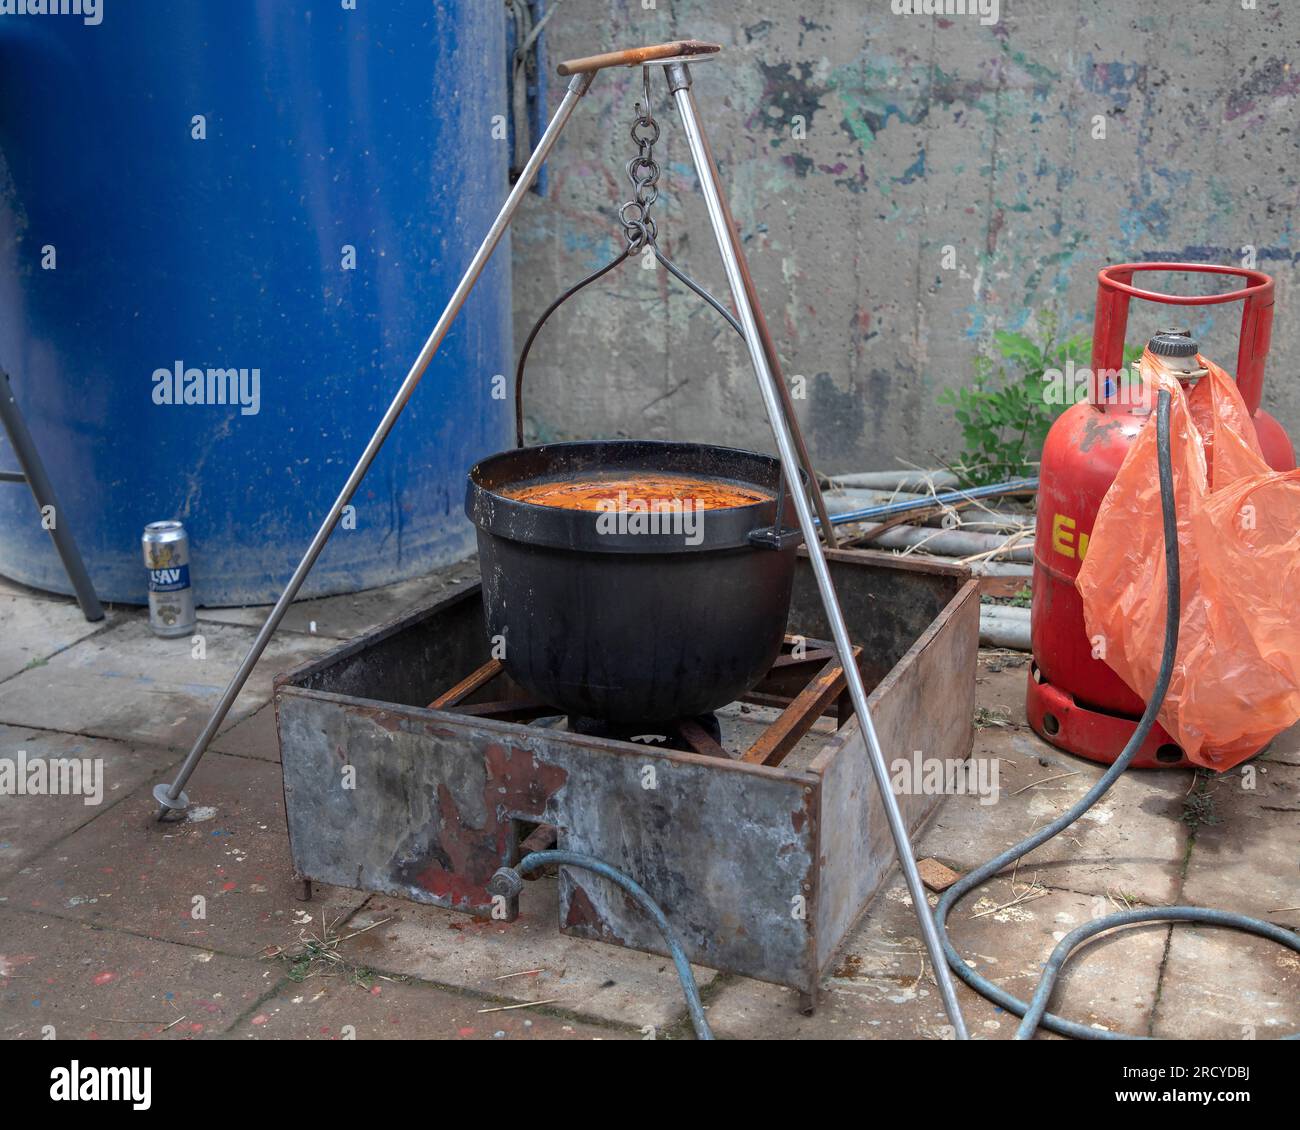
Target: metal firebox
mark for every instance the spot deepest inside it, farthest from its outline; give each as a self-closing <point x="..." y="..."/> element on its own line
<point x="761" y="869"/>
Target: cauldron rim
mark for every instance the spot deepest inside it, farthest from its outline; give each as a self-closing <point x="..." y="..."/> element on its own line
<point x="722" y="528"/>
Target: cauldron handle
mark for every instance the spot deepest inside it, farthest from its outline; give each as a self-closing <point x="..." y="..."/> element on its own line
<point x="537" y="326"/>
<point x="668" y="265"/>
<point x="777" y="536"/>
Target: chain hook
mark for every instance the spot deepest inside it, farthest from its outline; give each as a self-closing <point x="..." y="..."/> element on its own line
<point x="643" y="173"/>
<point x="644" y="106"/>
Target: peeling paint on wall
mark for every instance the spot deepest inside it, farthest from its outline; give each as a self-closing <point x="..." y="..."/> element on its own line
<point x="918" y="136"/>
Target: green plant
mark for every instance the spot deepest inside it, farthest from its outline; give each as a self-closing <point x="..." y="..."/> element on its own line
<point x="1009" y="405"/>
<point x="1023" y="598"/>
<point x="1198" y="805"/>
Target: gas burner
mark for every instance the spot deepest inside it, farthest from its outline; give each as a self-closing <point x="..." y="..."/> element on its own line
<point x="684" y="734"/>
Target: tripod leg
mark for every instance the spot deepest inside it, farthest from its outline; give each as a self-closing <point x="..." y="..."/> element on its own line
<point x="787" y="405"/>
<point x="679" y="82"/>
<point x="170" y="798"/>
<point x="42" y="489"/>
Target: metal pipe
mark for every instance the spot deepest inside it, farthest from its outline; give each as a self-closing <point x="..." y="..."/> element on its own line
<point x="29" y="459"/>
<point x="1001" y="569"/>
<point x="924" y="481"/>
<point x="949" y="543"/>
<point x="679" y="82"/>
<point x="171" y="797"/>
<point x="1003" y="626"/>
<point x="921" y="501"/>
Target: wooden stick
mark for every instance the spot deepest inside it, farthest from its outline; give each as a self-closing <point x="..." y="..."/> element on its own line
<point x="526" y="1004"/>
<point x="637" y="56"/>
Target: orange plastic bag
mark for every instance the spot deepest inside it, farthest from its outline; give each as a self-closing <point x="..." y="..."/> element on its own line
<point x="1236" y="680"/>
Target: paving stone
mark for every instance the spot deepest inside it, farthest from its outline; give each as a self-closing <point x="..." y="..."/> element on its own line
<point x="608" y="982"/>
<point x="336" y="1008"/>
<point x="126" y="870"/>
<point x="1285" y="747"/>
<point x="10" y="587"/>
<point x="1000" y="682"/>
<point x="134" y="878"/>
<point x="1227" y="985"/>
<point x="33" y="630"/>
<point x="1132" y="842"/>
<point x="29" y="824"/>
<point x="127" y="683"/>
<point x="743" y="1009"/>
<point x="1110" y="983"/>
<point x="348" y="615"/>
<point x="100" y="984"/>
<point x="1248" y="860"/>
<point x="882" y="987"/>
<point x="254" y="736"/>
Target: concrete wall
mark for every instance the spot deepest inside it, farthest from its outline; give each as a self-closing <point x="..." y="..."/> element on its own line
<point x="922" y="132"/>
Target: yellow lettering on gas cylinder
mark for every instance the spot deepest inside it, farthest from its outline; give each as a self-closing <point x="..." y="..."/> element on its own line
<point x="1063" y="535"/>
<point x="1065" y="540"/>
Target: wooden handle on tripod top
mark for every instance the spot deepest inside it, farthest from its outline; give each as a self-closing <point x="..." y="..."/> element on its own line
<point x="638" y="56"/>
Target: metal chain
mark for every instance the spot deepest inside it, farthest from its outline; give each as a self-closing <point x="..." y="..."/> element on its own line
<point x="639" y="232"/>
<point x="643" y="172"/>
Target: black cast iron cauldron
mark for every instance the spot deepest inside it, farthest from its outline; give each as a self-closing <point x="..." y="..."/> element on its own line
<point x="631" y="626"/>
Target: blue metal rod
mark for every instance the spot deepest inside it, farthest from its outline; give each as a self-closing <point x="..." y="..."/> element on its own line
<point x="888" y="509"/>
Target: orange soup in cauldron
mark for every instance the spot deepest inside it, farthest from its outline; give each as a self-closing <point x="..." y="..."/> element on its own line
<point x="648" y="491"/>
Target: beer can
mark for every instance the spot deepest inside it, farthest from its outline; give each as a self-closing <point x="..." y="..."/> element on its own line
<point x="171" y="600"/>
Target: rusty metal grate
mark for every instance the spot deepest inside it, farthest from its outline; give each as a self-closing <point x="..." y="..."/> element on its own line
<point x="805" y="682"/>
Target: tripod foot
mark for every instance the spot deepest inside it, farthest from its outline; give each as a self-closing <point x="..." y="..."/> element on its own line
<point x="169" y="807"/>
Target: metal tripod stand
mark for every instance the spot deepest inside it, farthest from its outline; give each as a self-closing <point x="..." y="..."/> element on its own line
<point x="674" y="57"/>
<point x="38" y="481"/>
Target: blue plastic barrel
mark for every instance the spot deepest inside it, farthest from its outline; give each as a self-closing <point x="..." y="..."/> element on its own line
<point x="180" y="184"/>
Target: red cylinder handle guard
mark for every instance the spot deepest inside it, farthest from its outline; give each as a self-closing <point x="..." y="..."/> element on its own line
<point x="1115" y="289"/>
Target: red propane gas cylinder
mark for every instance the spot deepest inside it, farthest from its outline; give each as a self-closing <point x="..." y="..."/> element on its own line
<point x="1074" y="699"/>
